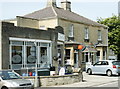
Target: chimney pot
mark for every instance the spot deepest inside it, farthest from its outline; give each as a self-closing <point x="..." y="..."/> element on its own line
<point x="66" y="5"/>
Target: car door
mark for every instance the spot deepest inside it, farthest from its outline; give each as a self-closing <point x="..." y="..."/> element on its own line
<point x="97" y="67"/>
<point x="104" y="66"/>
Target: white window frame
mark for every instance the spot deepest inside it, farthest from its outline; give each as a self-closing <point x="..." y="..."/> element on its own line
<point x="71" y="31"/>
<point x="86" y="33"/>
<point x="99" y="35"/>
<point x="49" y="49"/>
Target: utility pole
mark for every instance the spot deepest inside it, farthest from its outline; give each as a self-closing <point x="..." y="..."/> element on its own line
<point x="36" y="72"/>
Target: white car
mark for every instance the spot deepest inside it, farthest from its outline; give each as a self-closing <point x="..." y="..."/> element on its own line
<point x="109" y="67"/>
<point x="11" y="80"/>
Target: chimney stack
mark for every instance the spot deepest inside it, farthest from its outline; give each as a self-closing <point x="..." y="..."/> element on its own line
<point x="66" y="5"/>
<point x="51" y="3"/>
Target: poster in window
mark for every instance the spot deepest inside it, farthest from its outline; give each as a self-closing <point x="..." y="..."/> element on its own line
<point x="31" y="59"/>
<point x="16" y="59"/>
<point x="16" y="54"/>
<point x="31" y="56"/>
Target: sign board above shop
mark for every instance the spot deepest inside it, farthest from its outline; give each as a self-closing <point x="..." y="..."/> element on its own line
<point x="61" y="37"/>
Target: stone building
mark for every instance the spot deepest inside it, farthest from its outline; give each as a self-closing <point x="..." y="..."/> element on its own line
<point x="24" y="48"/>
<point x="80" y="32"/>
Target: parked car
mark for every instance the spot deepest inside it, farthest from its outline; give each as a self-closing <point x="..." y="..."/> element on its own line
<point x="109" y="67"/>
<point x="11" y="80"/>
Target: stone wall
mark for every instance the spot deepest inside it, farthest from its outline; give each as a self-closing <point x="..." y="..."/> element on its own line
<point x="57" y="80"/>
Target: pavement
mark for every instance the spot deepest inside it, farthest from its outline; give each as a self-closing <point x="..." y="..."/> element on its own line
<point x="93" y="81"/>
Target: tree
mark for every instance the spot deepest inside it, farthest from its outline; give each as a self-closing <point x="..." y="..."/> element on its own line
<point x="113" y="24"/>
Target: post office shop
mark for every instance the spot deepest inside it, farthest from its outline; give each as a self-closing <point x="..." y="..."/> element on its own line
<point x="28" y="48"/>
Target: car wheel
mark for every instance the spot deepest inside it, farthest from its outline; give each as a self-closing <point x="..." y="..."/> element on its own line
<point x="89" y="71"/>
<point x="4" y="88"/>
<point x="109" y="73"/>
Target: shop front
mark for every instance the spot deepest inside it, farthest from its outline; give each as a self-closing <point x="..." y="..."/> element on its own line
<point x="27" y="49"/>
<point x="73" y="54"/>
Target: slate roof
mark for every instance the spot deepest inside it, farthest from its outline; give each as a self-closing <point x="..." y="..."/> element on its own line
<point x="56" y="12"/>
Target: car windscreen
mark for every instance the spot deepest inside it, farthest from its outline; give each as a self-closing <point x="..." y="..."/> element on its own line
<point x="7" y="75"/>
<point x="116" y="62"/>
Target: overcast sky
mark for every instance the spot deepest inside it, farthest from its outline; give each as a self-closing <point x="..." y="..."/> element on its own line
<point x="91" y="9"/>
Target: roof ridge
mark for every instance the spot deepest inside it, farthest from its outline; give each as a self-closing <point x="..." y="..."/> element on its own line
<point x="36" y="11"/>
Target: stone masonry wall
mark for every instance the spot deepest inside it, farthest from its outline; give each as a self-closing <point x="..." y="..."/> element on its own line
<point x="57" y="80"/>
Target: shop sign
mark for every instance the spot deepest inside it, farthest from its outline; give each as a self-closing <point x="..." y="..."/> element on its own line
<point x="61" y="37"/>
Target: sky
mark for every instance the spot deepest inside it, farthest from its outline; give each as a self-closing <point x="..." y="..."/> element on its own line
<point x="92" y="9"/>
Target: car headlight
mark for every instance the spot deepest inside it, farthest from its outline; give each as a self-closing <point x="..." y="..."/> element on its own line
<point x="32" y="82"/>
<point x="15" y="84"/>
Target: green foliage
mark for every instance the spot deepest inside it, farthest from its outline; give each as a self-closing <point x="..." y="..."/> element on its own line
<point x="113" y="24"/>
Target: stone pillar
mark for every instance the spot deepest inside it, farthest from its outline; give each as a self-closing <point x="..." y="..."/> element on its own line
<point x="89" y="57"/>
<point x="101" y="54"/>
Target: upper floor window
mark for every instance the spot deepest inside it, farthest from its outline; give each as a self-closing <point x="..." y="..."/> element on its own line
<point x="99" y="35"/>
<point x="71" y="31"/>
<point x="86" y="33"/>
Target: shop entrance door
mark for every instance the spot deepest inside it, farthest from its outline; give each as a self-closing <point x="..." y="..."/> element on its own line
<point x="76" y="59"/>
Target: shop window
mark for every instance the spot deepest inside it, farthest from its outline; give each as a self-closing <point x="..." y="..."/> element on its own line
<point x="75" y="58"/>
<point x="59" y="54"/>
<point x="67" y="51"/>
<point x="25" y="54"/>
<point x="67" y="56"/>
<point x="43" y="54"/>
<point x="30" y="55"/>
<point x="86" y="56"/>
<point x="98" y="53"/>
<point x="104" y="53"/>
<point x="16" y="54"/>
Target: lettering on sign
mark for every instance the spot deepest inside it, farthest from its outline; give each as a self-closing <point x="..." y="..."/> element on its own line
<point x="61" y="37"/>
